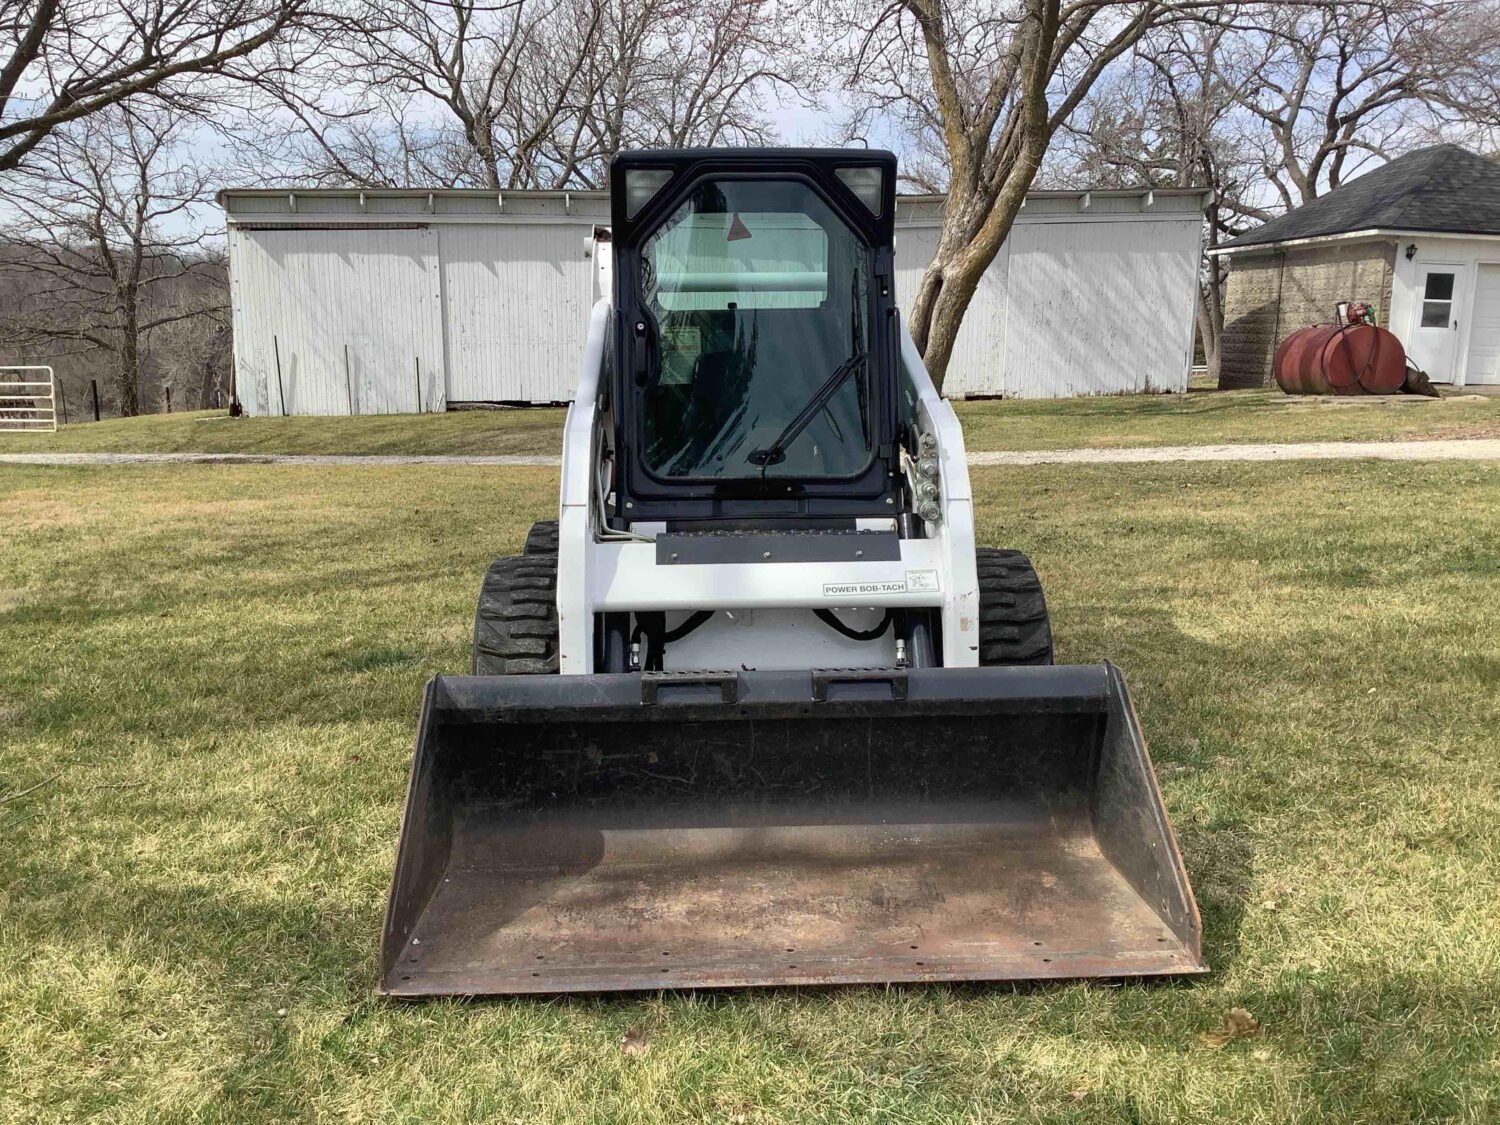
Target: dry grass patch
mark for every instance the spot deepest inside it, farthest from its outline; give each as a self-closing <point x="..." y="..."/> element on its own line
<point x="222" y="668"/>
<point x="1111" y="421"/>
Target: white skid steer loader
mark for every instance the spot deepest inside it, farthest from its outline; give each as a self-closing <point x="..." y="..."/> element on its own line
<point x="755" y="710"/>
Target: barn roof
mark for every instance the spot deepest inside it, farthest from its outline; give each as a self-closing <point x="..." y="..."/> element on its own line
<point x="1444" y="188"/>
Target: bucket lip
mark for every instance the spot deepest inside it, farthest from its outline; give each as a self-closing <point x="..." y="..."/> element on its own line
<point x="1076" y="689"/>
<point x="1179" y="971"/>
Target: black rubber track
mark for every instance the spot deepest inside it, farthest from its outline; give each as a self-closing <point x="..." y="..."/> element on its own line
<point x="1013" y="625"/>
<point x="515" y="626"/>
<point x="541" y="539"/>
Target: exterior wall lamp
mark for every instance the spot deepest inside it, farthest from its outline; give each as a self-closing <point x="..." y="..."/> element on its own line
<point x="1411" y="251"/>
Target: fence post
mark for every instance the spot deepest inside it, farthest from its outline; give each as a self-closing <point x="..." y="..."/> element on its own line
<point x="63" y="397"/>
<point x="280" y="390"/>
<point x="94" y="387"/>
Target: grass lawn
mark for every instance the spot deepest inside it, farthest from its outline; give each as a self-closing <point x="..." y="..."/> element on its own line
<point x="207" y="709"/>
<point x="1202" y="417"/>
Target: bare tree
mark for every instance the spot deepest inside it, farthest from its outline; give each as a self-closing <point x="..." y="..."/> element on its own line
<point x="535" y="94"/>
<point x="1334" y="88"/>
<point x="63" y="60"/>
<point x="994" y="82"/>
<point x="1171" y="119"/>
<point x="102" y="241"/>
<point x="1281" y="105"/>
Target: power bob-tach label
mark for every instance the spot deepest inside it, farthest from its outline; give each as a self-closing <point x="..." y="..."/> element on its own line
<point x="916" y="582"/>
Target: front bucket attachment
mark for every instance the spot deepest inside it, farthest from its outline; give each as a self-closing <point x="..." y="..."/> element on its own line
<point x="592" y="833"/>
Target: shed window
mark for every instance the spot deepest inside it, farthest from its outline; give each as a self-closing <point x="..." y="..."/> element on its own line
<point x="1437" y="300"/>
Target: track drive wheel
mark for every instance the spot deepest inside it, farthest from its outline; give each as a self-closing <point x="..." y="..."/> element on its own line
<point x="1013" y="625"/>
<point x="515" y="626"/>
<point x="541" y="539"/>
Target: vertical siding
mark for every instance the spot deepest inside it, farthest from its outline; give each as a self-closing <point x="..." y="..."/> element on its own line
<point x="1101" y="307"/>
<point x="492" y="302"/>
<point x="1484" y="332"/>
<point x="249" y="380"/>
<point x="516" y="298"/>
<point x="349" y="316"/>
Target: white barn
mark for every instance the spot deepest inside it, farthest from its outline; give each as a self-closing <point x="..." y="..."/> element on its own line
<point x="399" y="301"/>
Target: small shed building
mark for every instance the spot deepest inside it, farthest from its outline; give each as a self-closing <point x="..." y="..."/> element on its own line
<point x="1418" y="239"/>
<point x="394" y="301"/>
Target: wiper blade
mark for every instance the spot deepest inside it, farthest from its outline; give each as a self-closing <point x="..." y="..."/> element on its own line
<point x="775" y="453"/>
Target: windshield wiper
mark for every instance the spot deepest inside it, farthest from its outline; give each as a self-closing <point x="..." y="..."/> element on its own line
<point x="775" y="453"/>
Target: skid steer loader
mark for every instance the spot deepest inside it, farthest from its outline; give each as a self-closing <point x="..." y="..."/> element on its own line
<point x="755" y="710"/>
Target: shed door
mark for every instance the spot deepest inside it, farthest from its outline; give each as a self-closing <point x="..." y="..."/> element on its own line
<point x="516" y="303"/>
<point x="339" y="321"/>
<point x="1434" y="333"/>
<point x="1484" y="329"/>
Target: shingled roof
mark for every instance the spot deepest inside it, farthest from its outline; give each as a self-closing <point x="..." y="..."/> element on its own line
<point x="1443" y="188"/>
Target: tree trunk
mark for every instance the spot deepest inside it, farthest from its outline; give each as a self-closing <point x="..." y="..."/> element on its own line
<point x="128" y="359"/>
<point x="945" y="316"/>
<point x="1210" y="320"/>
<point x="207" y="384"/>
<point x="975" y="226"/>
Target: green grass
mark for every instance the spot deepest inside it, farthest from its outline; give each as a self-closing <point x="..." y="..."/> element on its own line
<point x="1202" y="417"/>
<point x="1220" y="417"/>
<point x="483" y="432"/>
<point x="210" y="687"/>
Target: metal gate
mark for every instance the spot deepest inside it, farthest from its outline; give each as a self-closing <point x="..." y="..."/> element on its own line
<point x="27" y="401"/>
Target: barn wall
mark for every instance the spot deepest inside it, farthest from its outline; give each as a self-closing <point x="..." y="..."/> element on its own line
<point x="1272" y="293"/>
<point x="1103" y="308"/>
<point x="486" y="295"/>
<point x="481" y="296"/>
<point x="1081" y="300"/>
<point x="516" y="299"/>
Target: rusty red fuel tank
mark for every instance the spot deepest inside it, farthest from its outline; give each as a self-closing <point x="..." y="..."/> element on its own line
<point x="1340" y="359"/>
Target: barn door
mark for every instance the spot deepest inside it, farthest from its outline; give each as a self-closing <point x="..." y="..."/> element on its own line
<point x="340" y="321"/>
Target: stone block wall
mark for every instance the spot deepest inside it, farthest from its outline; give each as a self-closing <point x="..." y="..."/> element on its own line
<point x="1272" y="293"/>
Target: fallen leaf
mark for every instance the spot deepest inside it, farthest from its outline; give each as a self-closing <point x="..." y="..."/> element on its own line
<point x="635" y="1041"/>
<point x="1238" y="1024"/>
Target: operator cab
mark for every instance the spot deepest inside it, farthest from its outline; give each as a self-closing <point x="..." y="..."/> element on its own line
<point x="755" y="335"/>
